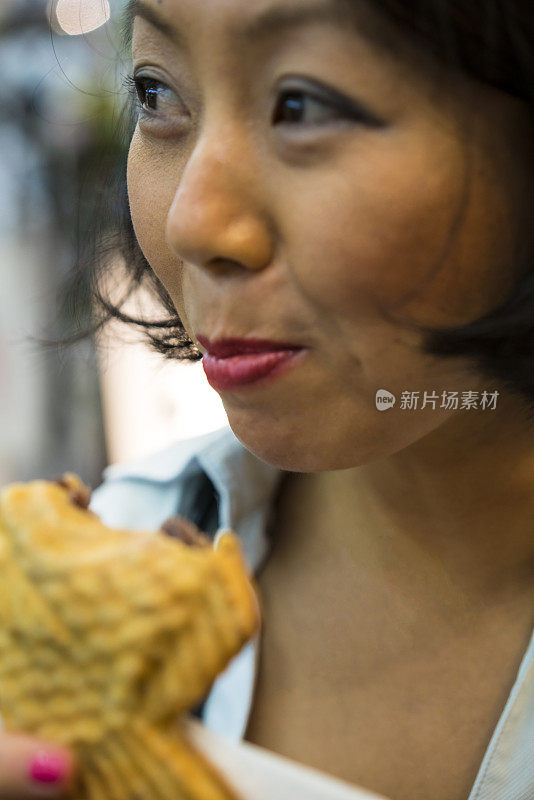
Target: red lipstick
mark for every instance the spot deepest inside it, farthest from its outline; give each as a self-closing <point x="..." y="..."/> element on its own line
<point x="230" y="363"/>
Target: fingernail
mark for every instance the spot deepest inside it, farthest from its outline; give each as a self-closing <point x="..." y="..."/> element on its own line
<point x="48" y="767"/>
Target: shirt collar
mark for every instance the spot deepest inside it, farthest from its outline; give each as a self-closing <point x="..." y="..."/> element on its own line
<point x="245" y="484"/>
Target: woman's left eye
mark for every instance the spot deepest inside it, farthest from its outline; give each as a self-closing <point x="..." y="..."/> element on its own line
<point x="299" y="107"/>
<point x="294" y="107"/>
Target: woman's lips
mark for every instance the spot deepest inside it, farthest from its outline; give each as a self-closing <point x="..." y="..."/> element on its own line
<point x="240" y="370"/>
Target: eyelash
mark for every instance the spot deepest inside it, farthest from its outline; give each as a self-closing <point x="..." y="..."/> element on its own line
<point x="137" y="87"/>
<point x="344" y="109"/>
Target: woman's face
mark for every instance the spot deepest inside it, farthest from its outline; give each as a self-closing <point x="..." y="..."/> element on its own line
<point x="291" y="180"/>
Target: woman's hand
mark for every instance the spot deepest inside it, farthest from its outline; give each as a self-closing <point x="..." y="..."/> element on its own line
<point x="30" y="767"/>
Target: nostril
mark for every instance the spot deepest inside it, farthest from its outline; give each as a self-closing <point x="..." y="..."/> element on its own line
<point x="223" y="266"/>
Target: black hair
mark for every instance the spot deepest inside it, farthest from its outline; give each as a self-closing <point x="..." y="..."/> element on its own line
<point x="491" y="41"/>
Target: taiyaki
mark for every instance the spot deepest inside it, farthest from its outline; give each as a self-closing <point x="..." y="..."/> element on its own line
<point x="108" y="637"/>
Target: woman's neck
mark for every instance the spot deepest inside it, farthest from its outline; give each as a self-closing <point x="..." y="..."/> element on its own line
<point x="449" y="519"/>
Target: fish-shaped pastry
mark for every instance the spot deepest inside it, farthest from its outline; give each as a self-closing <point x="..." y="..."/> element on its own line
<point x="108" y="636"/>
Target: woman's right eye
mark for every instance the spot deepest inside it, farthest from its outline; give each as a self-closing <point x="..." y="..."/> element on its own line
<point x="154" y="98"/>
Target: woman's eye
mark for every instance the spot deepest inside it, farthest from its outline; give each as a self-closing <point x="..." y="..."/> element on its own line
<point x="296" y="107"/>
<point x="155" y="98"/>
<point x="303" y="108"/>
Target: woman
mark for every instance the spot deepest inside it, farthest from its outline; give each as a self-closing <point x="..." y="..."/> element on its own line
<point x="354" y="180"/>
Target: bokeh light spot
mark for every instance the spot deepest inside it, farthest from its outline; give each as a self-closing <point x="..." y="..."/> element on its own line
<point x="81" y="16"/>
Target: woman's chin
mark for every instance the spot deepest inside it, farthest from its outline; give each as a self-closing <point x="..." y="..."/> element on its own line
<point x="297" y="443"/>
<point x="298" y="449"/>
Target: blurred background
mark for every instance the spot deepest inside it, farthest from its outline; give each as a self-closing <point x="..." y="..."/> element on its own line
<point x="84" y="406"/>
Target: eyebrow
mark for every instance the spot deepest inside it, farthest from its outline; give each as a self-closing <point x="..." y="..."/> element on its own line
<point x="136" y="8"/>
<point x="268" y="22"/>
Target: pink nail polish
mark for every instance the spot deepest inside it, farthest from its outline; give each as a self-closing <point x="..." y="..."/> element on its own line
<point x="48" y="767"/>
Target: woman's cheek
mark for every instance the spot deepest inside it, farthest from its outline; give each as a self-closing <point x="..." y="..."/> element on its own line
<point x="144" y="205"/>
<point x="377" y="225"/>
<point x="377" y="262"/>
<point x="150" y="195"/>
<point x="374" y="248"/>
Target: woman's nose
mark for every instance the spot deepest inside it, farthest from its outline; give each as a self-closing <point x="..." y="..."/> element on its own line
<point x="215" y="216"/>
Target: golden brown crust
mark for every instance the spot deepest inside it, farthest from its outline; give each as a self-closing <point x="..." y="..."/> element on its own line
<point x="106" y="635"/>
